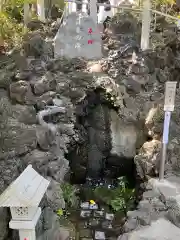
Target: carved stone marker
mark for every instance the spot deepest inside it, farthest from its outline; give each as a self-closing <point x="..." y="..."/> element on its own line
<point x="23" y="197"/>
<point x="73" y="37"/>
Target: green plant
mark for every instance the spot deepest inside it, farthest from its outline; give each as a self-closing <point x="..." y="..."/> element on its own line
<point x="120" y="198"/>
<point x="124" y="196"/>
<point x="70" y="194"/>
<point x="11" y="33"/>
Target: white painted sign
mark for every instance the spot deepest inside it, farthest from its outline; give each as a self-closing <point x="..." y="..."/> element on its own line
<point x="170" y="93"/>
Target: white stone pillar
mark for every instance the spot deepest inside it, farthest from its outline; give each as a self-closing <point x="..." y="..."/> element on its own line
<point x="84" y="6"/>
<point x="26" y="227"/>
<point x="93" y="10"/>
<point x="114" y="10"/>
<point x="26" y="13"/>
<point x="146" y="21"/>
<point x="27" y="234"/>
<point x="41" y="10"/>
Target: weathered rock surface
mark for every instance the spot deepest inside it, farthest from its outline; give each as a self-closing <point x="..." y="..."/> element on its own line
<point x="158" y="213"/>
<point x="160" y="229"/>
<point x="131" y="88"/>
<point x="4" y="223"/>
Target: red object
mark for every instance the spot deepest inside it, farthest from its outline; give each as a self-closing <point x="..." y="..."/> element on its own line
<point x="25" y="239"/>
<point x="90" y="41"/>
<point x="90" y="30"/>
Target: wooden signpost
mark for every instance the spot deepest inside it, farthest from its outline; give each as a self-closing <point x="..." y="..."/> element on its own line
<point x="170" y="93"/>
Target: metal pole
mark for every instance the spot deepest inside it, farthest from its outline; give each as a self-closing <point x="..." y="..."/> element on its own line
<point x="167" y="118"/>
<point x="163" y="160"/>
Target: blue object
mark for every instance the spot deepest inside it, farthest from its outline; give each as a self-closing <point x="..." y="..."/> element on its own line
<point x="167" y="118"/>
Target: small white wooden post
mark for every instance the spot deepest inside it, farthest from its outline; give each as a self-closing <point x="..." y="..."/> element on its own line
<point x="74" y="7"/>
<point x="41" y="10"/>
<point x="93" y="10"/>
<point x="23" y="197"/>
<point x="71" y="7"/>
<point x="84" y="6"/>
<point x="66" y="9"/>
<point x="114" y="10"/>
<point x="146" y="21"/>
<point x="26" y="13"/>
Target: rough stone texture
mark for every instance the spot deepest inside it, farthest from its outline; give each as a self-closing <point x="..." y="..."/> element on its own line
<point x="124" y="137"/>
<point x="148" y="159"/>
<point x="160" y="229"/>
<point x="72" y="38"/>
<point x="133" y="87"/>
<point x="48" y="227"/>
<point x="160" y="206"/>
<point x="4" y="223"/>
<point x="54" y="196"/>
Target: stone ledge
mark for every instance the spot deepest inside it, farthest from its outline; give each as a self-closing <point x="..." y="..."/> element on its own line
<point x="161" y="229"/>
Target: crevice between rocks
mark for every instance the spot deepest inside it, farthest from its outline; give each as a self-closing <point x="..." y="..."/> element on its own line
<point x="107" y="144"/>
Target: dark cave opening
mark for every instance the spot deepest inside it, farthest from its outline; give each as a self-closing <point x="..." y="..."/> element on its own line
<point x="92" y="158"/>
<point x="99" y="171"/>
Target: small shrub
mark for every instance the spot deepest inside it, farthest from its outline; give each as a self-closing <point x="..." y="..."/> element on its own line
<point x="124" y="197"/>
<point x="70" y="194"/>
<point x="11" y="33"/>
<point x="120" y="199"/>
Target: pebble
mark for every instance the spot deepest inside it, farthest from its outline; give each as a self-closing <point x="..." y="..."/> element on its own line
<point x="109" y="216"/>
<point x="99" y="235"/>
<point x="57" y="102"/>
<point x="98" y="213"/>
<point x="84" y="205"/>
<point x="85" y="214"/>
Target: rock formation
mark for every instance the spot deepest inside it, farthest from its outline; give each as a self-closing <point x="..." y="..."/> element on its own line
<point x="133" y="87"/>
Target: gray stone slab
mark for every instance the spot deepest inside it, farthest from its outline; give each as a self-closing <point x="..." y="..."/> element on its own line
<point x="165" y="188"/>
<point x="161" y="229"/>
<point x="72" y="38"/>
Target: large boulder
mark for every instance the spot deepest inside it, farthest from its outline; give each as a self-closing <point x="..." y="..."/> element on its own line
<point x="148" y="159"/>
